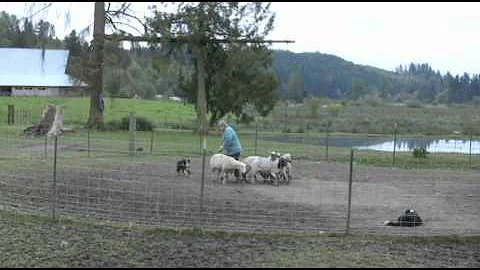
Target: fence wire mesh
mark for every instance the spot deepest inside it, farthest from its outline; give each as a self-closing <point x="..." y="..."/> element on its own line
<point x="102" y="179"/>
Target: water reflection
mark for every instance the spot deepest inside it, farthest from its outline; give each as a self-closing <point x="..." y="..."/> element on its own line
<point x="433" y="145"/>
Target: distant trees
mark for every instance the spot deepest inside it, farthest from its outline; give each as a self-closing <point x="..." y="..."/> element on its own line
<point x="359" y="88"/>
<point x="330" y="76"/>
<point x="24" y="34"/>
<point x="296" y="86"/>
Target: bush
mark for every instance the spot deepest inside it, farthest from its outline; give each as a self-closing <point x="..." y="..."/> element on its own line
<point x="300" y="130"/>
<point x="414" y="104"/>
<point x="420" y="152"/>
<point x="246" y="119"/>
<point x="142" y="124"/>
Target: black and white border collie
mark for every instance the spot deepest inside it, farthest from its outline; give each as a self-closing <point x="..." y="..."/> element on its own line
<point x="409" y="219"/>
<point x="183" y="166"/>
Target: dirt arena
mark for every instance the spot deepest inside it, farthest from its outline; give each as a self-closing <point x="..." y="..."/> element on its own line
<point x="316" y="199"/>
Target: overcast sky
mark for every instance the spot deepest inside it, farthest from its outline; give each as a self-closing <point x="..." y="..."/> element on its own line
<point x="383" y="35"/>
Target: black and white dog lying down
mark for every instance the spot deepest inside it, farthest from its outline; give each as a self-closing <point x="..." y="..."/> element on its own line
<point x="183" y="166"/>
<point x="409" y="219"/>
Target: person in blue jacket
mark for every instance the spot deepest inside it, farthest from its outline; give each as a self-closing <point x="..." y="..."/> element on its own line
<point x="231" y="144"/>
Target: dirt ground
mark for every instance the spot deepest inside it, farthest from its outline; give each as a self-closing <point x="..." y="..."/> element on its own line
<point x="70" y="245"/>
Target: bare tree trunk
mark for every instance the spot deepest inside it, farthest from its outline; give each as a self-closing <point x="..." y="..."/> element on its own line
<point x="95" y="119"/>
<point x="45" y="124"/>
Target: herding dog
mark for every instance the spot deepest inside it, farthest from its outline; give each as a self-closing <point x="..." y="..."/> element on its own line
<point x="409" y="219"/>
<point x="183" y="166"/>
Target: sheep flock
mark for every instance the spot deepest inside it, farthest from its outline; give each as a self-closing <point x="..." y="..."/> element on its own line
<point x="274" y="168"/>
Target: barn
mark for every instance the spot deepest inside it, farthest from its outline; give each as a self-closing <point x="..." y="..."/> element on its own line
<point x="31" y="72"/>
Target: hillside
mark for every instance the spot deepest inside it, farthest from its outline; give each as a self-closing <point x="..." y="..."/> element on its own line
<point x="324" y="75"/>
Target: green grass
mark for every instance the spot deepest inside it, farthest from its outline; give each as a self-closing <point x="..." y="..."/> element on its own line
<point x="354" y="119"/>
<point x="77" y="109"/>
<point x="366" y="119"/>
<point x="114" y="145"/>
<point x="178" y="142"/>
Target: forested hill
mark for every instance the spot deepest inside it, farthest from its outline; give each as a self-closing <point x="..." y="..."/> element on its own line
<point x="324" y="75"/>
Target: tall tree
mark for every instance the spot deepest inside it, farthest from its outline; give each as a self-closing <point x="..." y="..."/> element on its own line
<point x="230" y="67"/>
<point x="27" y="38"/>
<point x="9" y="29"/>
<point x="95" y="118"/>
<point x="73" y="43"/>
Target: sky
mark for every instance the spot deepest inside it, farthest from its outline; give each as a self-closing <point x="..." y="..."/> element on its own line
<point x="383" y="35"/>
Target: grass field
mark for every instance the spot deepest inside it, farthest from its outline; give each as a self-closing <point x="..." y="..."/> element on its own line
<point x="76" y="109"/>
<point x="352" y="118"/>
<point x="181" y="140"/>
<point x="174" y="142"/>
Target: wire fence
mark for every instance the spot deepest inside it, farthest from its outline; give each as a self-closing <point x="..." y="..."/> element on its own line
<point x="86" y="177"/>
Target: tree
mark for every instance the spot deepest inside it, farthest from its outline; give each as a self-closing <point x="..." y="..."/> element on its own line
<point x="27" y="38"/>
<point x="73" y="44"/>
<point x="314" y="105"/>
<point x="359" y="88"/>
<point x="9" y="29"/>
<point x="102" y="17"/>
<point x="236" y="74"/>
<point x="295" y="87"/>
<point x="95" y="118"/>
<point x="44" y="31"/>
<point x="385" y="89"/>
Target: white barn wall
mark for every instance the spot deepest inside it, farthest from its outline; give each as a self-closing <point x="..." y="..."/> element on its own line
<point x="34" y="91"/>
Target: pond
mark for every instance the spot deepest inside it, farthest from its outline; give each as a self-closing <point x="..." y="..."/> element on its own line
<point x="433" y="145"/>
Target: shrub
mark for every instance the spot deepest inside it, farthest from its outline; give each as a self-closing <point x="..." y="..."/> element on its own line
<point x="142" y="124"/>
<point x="335" y="109"/>
<point x="420" y="152"/>
<point x="246" y="119"/>
<point x="300" y="130"/>
<point x="414" y="104"/>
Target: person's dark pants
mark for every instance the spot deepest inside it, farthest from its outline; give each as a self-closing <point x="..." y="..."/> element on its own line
<point x="236" y="157"/>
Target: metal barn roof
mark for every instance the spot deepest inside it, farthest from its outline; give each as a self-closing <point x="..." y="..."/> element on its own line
<point x="24" y="67"/>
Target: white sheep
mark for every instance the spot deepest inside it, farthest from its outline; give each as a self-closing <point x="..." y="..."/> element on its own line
<point x="265" y="166"/>
<point x="285" y="167"/>
<point x="223" y="164"/>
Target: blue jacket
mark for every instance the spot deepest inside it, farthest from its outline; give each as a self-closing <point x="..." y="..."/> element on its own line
<point x="231" y="144"/>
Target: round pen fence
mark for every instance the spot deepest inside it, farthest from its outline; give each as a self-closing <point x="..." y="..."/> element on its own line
<point x="98" y="179"/>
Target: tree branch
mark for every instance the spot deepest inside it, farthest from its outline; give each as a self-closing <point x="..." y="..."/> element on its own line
<point x="114" y="23"/>
<point x="38" y="11"/>
<point x="123" y="11"/>
<point x="187" y="39"/>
